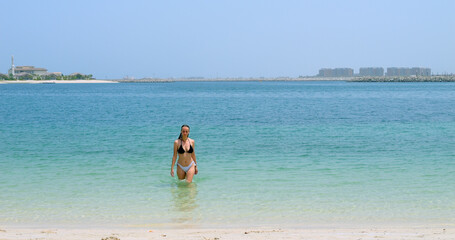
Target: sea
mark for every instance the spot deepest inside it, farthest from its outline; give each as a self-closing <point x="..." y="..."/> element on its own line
<point x="284" y="153"/>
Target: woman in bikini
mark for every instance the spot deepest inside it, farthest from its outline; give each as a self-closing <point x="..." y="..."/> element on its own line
<point x="184" y="146"/>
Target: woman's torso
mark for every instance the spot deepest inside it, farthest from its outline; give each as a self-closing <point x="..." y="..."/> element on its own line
<point x="185" y="150"/>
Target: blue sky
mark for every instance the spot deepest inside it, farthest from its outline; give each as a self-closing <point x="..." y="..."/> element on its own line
<point x="225" y="38"/>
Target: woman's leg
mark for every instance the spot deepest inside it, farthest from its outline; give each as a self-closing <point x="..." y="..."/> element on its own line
<point x="190" y="174"/>
<point x="180" y="173"/>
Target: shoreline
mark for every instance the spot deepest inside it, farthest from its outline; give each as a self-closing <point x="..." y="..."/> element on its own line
<point x="346" y="233"/>
<point x="282" y="79"/>
<point x="435" y="78"/>
<point x="54" y="81"/>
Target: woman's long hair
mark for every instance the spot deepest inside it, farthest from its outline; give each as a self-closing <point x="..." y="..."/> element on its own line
<point x="184" y="125"/>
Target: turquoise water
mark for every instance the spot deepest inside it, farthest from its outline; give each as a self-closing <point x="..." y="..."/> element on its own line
<point x="287" y="153"/>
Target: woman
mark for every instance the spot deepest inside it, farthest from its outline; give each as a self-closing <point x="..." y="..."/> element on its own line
<point x="184" y="146"/>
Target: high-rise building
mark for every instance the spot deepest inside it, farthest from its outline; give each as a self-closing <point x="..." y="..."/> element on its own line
<point x="325" y="72"/>
<point x="336" y="72"/>
<point x="415" y="71"/>
<point x="371" y="71"/>
<point x="419" y="71"/>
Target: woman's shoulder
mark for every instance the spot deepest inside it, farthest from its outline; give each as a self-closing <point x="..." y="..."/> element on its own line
<point x="176" y="141"/>
<point x="192" y="141"/>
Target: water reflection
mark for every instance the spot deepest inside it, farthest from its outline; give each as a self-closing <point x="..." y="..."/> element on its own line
<point x="184" y="198"/>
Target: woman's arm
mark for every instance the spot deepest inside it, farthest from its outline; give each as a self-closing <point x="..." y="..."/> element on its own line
<point x="174" y="158"/>
<point x="193" y="156"/>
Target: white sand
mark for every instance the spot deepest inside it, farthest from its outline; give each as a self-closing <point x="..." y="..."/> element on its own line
<point x="226" y="234"/>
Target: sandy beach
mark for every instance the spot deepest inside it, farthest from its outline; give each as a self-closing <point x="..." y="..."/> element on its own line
<point x="222" y="234"/>
<point x="56" y="81"/>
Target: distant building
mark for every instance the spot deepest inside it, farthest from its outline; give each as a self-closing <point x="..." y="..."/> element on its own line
<point x="325" y="72"/>
<point x="415" y="71"/>
<point x="336" y="72"/>
<point x="418" y="71"/>
<point x="28" y="70"/>
<point x="394" y="71"/>
<point x="52" y="74"/>
<point x="371" y="71"/>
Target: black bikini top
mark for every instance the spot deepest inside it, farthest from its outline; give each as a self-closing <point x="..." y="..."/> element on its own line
<point x="182" y="151"/>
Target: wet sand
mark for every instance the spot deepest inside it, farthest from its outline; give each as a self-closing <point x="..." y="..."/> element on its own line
<point x="226" y="234"/>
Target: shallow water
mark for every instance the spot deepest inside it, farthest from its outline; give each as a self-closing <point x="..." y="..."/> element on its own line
<point x="288" y="153"/>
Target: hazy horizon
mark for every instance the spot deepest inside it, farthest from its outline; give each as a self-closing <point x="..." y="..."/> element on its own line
<point x="115" y="39"/>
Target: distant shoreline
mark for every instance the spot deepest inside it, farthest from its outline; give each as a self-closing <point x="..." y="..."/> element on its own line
<point x="53" y="81"/>
<point x="440" y="78"/>
<point x="143" y="80"/>
<point x="436" y="78"/>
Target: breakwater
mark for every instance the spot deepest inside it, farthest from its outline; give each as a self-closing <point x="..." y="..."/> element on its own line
<point x="234" y="79"/>
<point x="438" y="78"/>
<point x="143" y="80"/>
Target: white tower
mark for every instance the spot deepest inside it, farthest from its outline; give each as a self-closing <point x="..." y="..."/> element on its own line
<point x="12" y="66"/>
